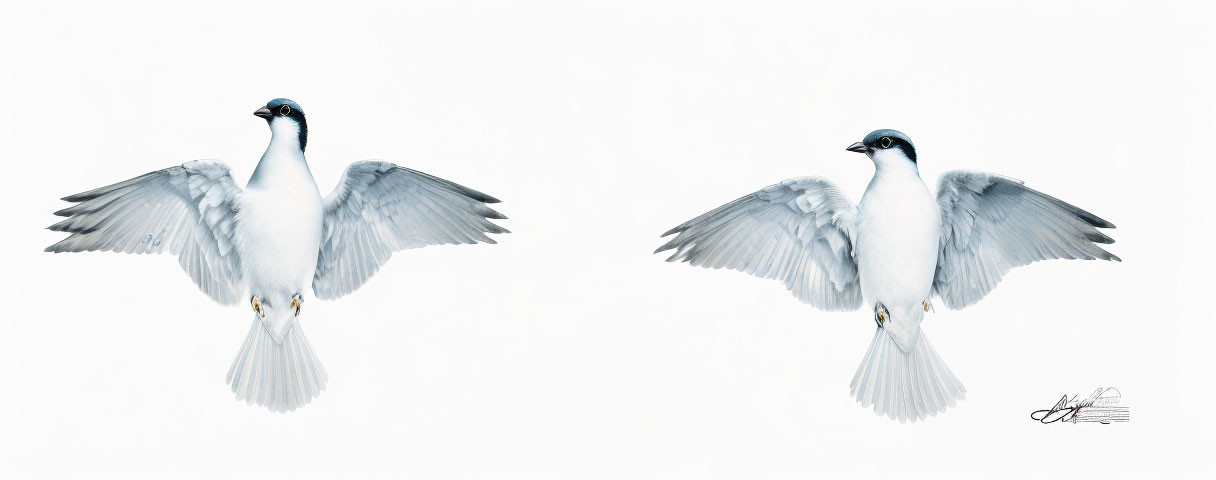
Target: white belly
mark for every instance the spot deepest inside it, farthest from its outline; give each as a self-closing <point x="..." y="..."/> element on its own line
<point x="896" y="245"/>
<point x="279" y="235"/>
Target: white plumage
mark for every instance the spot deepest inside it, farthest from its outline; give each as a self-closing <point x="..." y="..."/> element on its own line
<point x="271" y="239"/>
<point x="901" y="246"/>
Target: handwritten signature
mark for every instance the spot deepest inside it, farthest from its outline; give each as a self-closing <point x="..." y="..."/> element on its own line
<point x="1102" y="407"/>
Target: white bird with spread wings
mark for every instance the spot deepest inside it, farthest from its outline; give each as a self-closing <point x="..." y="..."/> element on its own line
<point x="267" y="242"/>
<point x="893" y="252"/>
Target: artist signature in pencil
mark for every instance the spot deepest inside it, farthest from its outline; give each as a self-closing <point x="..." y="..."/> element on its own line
<point x="1102" y="407"/>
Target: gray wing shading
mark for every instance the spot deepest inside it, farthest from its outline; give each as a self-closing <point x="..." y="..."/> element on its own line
<point x="189" y="211"/>
<point x="992" y="223"/>
<point x="379" y="208"/>
<point x="798" y="231"/>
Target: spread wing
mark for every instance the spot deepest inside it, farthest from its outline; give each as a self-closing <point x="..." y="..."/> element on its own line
<point x="190" y="211"/>
<point x="379" y="208"/>
<point x="992" y="223"/>
<point x="798" y="231"/>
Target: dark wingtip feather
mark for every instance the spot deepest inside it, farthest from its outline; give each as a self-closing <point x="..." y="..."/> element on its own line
<point x="89" y="195"/>
<point x="65" y="226"/>
<point x="468" y="192"/>
<point x="1089" y="218"/>
<point x="474" y="194"/>
<point x="1095" y="220"/>
<point x="1082" y="214"/>
<point x="81" y="197"/>
<point x="674" y="230"/>
<point x="1105" y="255"/>
<point x="57" y="247"/>
<point x="1099" y="237"/>
<point x="99" y="191"/>
<point x="665" y="247"/>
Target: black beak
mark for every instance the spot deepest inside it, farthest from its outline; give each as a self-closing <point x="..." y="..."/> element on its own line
<point x="858" y="147"/>
<point x="264" y="113"/>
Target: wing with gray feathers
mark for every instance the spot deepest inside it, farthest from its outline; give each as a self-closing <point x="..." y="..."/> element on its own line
<point x="798" y="231"/>
<point x="992" y="223"/>
<point x="189" y="210"/>
<point x="379" y="208"/>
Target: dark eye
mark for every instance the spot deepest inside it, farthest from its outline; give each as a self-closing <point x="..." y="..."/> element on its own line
<point x="285" y="110"/>
<point x="884" y="142"/>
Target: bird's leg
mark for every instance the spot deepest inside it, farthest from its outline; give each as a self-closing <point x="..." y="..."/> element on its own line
<point x="257" y="306"/>
<point x="296" y="302"/>
<point x="929" y="307"/>
<point x="881" y="314"/>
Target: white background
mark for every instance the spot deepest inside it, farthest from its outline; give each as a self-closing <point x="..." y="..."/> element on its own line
<point x="569" y="350"/>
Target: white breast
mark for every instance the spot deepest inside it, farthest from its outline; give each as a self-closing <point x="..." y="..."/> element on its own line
<point x="897" y="237"/>
<point x="279" y="234"/>
<point x="279" y="221"/>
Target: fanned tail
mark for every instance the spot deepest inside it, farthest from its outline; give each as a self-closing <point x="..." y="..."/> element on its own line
<point x="279" y="376"/>
<point x="912" y="385"/>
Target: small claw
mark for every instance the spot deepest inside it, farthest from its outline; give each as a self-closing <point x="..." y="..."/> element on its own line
<point x="257" y="306"/>
<point x="295" y="302"/>
<point x="880" y="315"/>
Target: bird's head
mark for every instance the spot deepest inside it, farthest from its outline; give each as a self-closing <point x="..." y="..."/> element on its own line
<point x="886" y="146"/>
<point x="286" y="119"/>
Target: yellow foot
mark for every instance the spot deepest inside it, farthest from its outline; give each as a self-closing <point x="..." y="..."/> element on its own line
<point x="257" y="306"/>
<point x="881" y="315"/>
<point x="295" y="302"/>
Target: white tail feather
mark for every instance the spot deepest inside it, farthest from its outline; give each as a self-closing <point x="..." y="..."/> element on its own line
<point x="912" y="385"/>
<point x="278" y="376"/>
